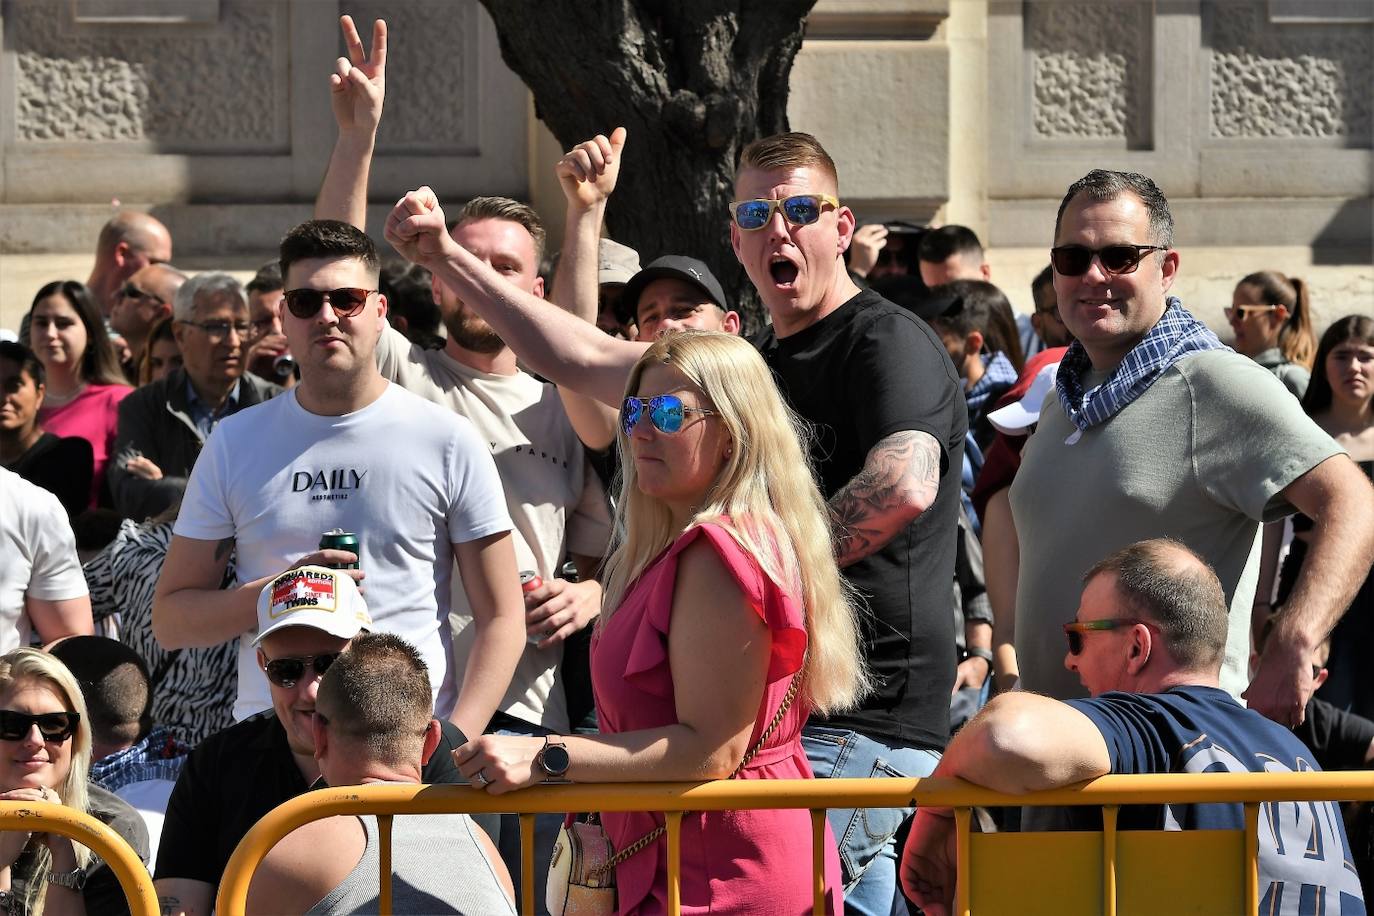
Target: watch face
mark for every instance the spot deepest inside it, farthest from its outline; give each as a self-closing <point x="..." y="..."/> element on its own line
<point x="555" y="760"/>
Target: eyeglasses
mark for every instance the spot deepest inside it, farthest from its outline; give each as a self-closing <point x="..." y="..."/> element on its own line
<point x="129" y="291"/>
<point x="218" y="330"/>
<point x="799" y="210"/>
<point x="1074" y="631"/>
<point x="346" y="301"/>
<point x="285" y="672"/>
<point x="666" y="412"/>
<point x="53" y="726"/>
<point x="1243" y="312"/>
<point x="1074" y="260"/>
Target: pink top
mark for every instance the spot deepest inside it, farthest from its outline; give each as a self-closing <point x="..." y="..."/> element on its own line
<point x="732" y="861"/>
<point x="94" y="416"/>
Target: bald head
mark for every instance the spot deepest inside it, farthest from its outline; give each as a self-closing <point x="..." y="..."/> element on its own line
<point x="139" y="231"/>
<point x="1163" y="581"/>
<point x="143" y="300"/>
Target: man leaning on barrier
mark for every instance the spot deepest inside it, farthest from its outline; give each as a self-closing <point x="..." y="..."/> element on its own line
<point x="1147" y="643"/>
<point x="306" y="617"/>
<point x="374" y="724"/>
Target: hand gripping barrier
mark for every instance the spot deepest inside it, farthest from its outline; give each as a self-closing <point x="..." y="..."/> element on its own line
<point x="123" y="861"/>
<point x="1204" y="872"/>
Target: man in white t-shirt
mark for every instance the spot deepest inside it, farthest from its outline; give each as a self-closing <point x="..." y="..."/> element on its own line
<point x="347" y="449"/>
<point x="41" y="584"/>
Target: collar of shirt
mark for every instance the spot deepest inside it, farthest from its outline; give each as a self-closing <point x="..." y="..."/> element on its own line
<point x="204" y="416"/>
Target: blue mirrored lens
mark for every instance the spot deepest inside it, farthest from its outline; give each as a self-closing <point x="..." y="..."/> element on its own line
<point x="666" y="412"/>
<point x="802" y="209"/>
<point x="629" y="414"/>
<point x="752" y="214"/>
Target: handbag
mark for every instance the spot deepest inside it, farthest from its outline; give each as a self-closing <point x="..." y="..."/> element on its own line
<point x="582" y="869"/>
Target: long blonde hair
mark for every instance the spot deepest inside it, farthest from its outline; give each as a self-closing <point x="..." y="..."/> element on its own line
<point x="765" y="495"/>
<point x="33" y="666"/>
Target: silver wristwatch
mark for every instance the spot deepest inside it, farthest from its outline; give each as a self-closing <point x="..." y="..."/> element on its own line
<point x="73" y="880"/>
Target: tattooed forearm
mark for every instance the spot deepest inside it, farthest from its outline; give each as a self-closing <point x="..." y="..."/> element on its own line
<point x="898" y="481"/>
<point x="169" y="906"/>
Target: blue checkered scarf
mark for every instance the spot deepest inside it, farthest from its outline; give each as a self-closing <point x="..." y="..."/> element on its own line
<point x="1176" y="335"/>
<point x="998" y="375"/>
<point x="158" y="756"/>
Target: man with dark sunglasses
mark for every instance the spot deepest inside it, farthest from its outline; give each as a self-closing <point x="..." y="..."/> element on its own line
<point x="346" y="449"/>
<point x="166" y="423"/>
<point x="1157" y="429"/>
<point x="306" y="617"/>
<point x="879" y="388"/>
<point x="145" y="299"/>
<point x="1147" y="642"/>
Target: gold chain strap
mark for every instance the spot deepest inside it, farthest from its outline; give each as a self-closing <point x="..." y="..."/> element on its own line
<point x="643" y="842"/>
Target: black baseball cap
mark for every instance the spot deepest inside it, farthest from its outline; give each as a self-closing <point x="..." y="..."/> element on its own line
<point x="677" y="267"/>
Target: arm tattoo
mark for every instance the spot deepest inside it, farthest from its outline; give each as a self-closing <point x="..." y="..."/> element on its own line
<point x="902" y="471"/>
<point x="223" y="548"/>
<point x="169" y="906"/>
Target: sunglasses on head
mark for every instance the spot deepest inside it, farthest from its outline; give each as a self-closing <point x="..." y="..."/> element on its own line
<point x="666" y="412"/>
<point x="346" y="301"/>
<point x="799" y="210"/>
<point x="287" y="671"/>
<point x="1074" y="260"/>
<point x="1074" y="631"/>
<point x="53" y="726"/>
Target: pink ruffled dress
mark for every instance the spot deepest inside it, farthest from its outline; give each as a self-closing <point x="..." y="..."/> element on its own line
<point x="756" y="862"/>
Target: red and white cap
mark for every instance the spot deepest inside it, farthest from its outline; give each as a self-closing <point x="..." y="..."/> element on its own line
<point x="313" y="596"/>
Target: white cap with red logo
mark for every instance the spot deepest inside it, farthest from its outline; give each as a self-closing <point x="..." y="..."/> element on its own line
<point x="313" y="596"/>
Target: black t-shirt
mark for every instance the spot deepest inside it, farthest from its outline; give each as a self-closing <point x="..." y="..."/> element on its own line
<point x="865" y="371"/>
<point x="62" y="466"/>
<point x="1339" y="739"/>
<point x="236" y="776"/>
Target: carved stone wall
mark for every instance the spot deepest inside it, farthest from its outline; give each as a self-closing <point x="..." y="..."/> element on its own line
<point x="1287" y="81"/>
<point x="1090" y="66"/>
<point x="178" y="87"/>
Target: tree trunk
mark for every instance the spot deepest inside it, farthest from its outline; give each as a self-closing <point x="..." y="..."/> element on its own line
<point x="693" y="81"/>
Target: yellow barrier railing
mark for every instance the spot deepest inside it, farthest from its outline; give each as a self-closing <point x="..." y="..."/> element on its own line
<point x="29" y="817"/>
<point x="816" y="795"/>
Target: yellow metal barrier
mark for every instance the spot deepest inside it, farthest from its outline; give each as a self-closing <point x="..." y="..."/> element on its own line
<point x="133" y="875"/>
<point x="1126" y="858"/>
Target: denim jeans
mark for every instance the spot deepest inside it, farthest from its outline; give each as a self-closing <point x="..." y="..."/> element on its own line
<point x="868" y="853"/>
<point x="545" y="831"/>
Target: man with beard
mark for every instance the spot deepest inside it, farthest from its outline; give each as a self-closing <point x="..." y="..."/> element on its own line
<point x="554" y="497"/>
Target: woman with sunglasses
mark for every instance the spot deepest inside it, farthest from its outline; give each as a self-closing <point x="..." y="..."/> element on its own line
<point x="85" y="383"/>
<point x="1341" y="400"/>
<point x="45" y="751"/>
<point x="62" y="466"/>
<point x="1272" y="321"/>
<point x="725" y="624"/>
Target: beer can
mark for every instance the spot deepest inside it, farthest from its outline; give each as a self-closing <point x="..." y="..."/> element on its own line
<point x="338" y="539"/>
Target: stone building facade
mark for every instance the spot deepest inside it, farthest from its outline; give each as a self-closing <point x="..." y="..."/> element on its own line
<point x="1255" y="116"/>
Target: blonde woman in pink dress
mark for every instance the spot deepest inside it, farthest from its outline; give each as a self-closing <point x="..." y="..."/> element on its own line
<point x="722" y="589"/>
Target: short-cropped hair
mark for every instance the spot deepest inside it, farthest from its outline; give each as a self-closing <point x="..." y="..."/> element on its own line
<point x="1104" y="184"/>
<point x="1163" y="581"/>
<point x="508" y="209"/>
<point x="377" y="694"/>
<point x="794" y="150"/>
<point x="115" y="683"/>
<point x="202" y="288"/>
<point x="328" y="238"/>
<point x="938" y="245"/>
<point x="266" y="280"/>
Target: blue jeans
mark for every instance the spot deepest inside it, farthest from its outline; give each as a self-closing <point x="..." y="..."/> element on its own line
<point x="868" y="854"/>
<point x="545" y="833"/>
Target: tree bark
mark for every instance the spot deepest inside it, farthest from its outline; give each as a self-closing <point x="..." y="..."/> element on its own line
<point x="693" y="81"/>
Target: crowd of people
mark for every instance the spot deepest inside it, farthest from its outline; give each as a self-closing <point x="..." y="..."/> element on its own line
<point x="592" y="533"/>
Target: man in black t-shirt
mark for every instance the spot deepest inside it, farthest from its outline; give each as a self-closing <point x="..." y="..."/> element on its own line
<point x="306" y="617"/>
<point x="883" y="397"/>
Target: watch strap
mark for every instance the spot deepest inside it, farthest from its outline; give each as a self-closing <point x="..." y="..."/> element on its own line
<point x="979" y="652"/>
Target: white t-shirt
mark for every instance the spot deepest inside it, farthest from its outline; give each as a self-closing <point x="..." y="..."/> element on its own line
<point x="407" y="477"/>
<point x="37" y="555"/>
<point x="149" y="799"/>
<point x="553" y="495"/>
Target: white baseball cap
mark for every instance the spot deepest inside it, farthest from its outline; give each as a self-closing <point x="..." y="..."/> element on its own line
<point x="1017" y="416"/>
<point x="312" y="596"/>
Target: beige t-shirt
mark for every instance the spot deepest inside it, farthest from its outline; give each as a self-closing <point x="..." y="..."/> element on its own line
<point x="1199" y="457"/>
<point x="556" y="502"/>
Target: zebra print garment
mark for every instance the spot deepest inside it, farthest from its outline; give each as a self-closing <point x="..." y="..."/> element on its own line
<point x="193" y="689"/>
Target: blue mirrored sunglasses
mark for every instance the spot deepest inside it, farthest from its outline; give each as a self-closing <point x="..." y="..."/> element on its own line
<point x="800" y="210"/>
<point x="666" y="412"/>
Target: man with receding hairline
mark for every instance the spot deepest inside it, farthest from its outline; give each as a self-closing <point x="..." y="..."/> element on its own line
<point x="1147" y="642"/>
<point x="130" y="241"/>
